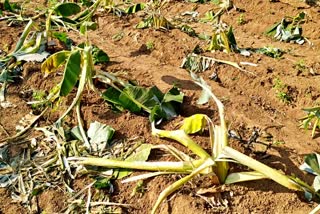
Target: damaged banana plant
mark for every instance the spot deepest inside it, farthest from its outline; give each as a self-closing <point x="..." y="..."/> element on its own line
<point x="289" y="29"/>
<point x="213" y="164"/>
<point x="43" y="164"/>
<point x="121" y="8"/>
<point x="154" y="17"/>
<point x="197" y="64"/>
<point x="30" y="48"/>
<point x="78" y="67"/>
<point x="123" y="95"/>
<point x="70" y="16"/>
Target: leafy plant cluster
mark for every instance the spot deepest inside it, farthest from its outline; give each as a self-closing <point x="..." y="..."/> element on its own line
<point x="64" y="152"/>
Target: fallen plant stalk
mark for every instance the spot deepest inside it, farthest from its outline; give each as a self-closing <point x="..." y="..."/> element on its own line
<point x="140" y="165"/>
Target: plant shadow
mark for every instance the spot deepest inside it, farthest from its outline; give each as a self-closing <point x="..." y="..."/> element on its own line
<point x="183" y="84"/>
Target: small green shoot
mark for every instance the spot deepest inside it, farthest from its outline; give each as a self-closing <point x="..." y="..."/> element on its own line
<point x="139" y="189"/>
<point x="39" y="96"/>
<point x="281" y="91"/>
<point x="241" y="19"/>
<point x="270" y="51"/>
<point x="150" y="45"/>
<point x="118" y="36"/>
<point x="300" y="66"/>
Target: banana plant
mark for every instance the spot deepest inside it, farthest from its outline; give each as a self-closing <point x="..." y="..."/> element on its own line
<point x="223" y="39"/>
<point x="213" y="164"/>
<point x="122" y="7"/>
<point x="289" y="29"/>
<point x="70" y="16"/>
<point x="137" y="99"/>
<point x="29" y="48"/>
<point x="78" y="68"/>
<point x="154" y="18"/>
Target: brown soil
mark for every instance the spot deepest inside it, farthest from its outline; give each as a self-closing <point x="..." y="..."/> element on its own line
<point x="250" y="101"/>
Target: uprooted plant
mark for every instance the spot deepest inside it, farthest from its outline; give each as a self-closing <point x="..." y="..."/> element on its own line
<point x="215" y="164"/>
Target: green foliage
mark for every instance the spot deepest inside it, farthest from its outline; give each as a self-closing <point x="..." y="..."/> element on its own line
<point x="270" y="51"/>
<point x="64" y="38"/>
<point x="282" y="91"/>
<point x="11" y="7"/>
<point x="139" y="188"/>
<point x="102" y="183"/>
<point x="137" y="99"/>
<point x="312" y="165"/>
<point x="71" y="72"/>
<point x="188" y="30"/>
<point x="70" y="16"/>
<point x="311" y="119"/>
<point x="208" y="17"/>
<point x="98" y="55"/>
<point x="67" y="9"/>
<point x="288" y="29"/>
<point x="241" y="19"/>
<point x="135" y="8"/>
<point x="300" y="65"/>
<point x="150" y="45"/>
<point x="40" y="98"/>
<point x="223" y="40"/>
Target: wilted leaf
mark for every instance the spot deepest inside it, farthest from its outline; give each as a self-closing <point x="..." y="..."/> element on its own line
<point x="243" y="176"/>
<point x="54" y="61"/>
<point x="67" y="9"/>
<point x="270" y="51"/>
<point x="71" y="73"/>
<point x="33" y="57"/>
<point x="316" y="183"/>
<point x="288" y="29"/>
<point x="7" y="180"/>
<point x="311" y="164"/>
<point x="145" y="23"/>
<point x="195" y="123"/>
<point x="99" y="135"/>
<point x="85" y="26"/>
<point x="135" y="8"/>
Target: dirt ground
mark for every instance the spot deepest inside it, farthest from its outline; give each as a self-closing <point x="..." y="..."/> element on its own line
<point x="250" y="101"/>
